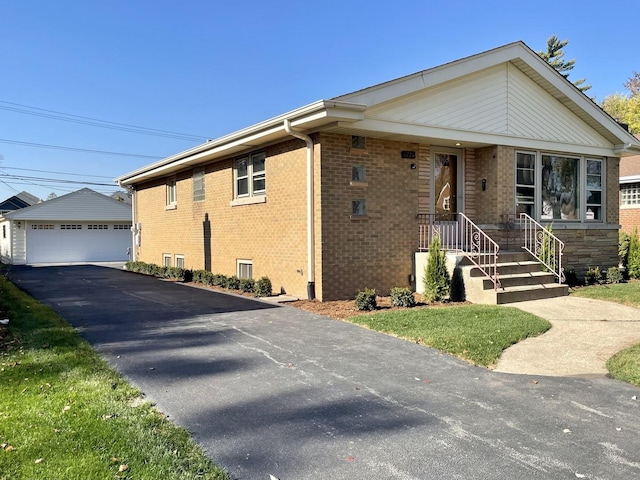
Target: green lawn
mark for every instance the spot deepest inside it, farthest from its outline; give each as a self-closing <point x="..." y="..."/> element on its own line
<point x="624" y="365"/>
<point x="624" y="293"/>
<point x="476" y="333"/>
<point x="64" y="413"/>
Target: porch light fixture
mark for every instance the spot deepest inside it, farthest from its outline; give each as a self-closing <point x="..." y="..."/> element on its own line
<point x="458" y="144"/>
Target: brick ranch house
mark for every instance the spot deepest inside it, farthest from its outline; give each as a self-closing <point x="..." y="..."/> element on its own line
<point x="630" y="194"/>
<point x="337" y="195"/>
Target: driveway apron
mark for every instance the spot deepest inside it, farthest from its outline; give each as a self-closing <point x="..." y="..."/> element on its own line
<point x="273" y="390"/>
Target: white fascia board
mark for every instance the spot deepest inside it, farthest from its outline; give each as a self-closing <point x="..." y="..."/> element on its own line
<point x="434" y="76"/>
<point x="464" y="136"/>
<point x="323" y="111"/>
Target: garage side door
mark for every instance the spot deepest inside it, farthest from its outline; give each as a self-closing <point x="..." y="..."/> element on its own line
<point x="77" y="242"/>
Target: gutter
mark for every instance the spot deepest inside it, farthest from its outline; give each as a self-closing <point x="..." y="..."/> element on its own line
<point x="311" y="283"/>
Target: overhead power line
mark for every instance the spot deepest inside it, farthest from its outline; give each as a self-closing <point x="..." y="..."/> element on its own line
<point x="3" y="167"/>
<point x="5" y="176"/>
<point x="72" y="149"/>
<point x="94" y="122"/>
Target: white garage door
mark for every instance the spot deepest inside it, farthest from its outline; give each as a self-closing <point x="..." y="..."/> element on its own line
<point x="77" y="242"/>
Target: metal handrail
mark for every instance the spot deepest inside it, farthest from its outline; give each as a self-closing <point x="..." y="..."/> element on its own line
<point x="459" y="234"/>
<point x="543" y="245"/>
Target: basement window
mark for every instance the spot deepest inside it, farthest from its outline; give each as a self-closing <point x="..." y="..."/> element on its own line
<point x="245" y="268"/>
<point x="180" y="261"/>
<point x="166" y="259"/>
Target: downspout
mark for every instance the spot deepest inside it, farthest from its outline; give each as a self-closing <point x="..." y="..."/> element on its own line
<point x="311" y="274"/>
<point x="133" y="220"/>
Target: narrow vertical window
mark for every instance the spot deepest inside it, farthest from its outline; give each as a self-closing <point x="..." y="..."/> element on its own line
<point x="198" y="184"/>
<point x="358" y="173"/>
<point x="525" y="183"/>
<point x="171" y="192"/>
<point x="594" y="189"/>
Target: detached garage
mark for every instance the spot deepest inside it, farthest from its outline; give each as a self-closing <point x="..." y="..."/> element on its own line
<point x="81" y="227"/>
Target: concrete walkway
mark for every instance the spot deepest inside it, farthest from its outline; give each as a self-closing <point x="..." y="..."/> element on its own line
<point x="585" y="333"/>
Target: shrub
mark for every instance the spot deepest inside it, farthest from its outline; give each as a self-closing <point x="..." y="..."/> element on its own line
<point x="247" y="285"/>
<point x="366" y="300"/>
<point x="623" y="248"/>
<point x="633" y="262"/>
<point x="593" y="276"/>
<point x="547" y="253"/>
<point x="233" y="283"/>
<point x="570" y="277"/>
<point x="402" y="297"/>
<point x="614" y="275"/>
<point x="219" y="280"/>
<point x="263" y="287"/>
<point x="436" y="277"/>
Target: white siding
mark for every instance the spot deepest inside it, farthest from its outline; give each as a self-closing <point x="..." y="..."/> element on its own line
<point x="83" y="205"/>
<point x="19" y="244"/>
<point x="499" y="100"/>
<point x="5" y="241"/>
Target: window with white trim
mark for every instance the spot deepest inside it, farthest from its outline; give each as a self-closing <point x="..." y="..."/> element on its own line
<point x="244" y="268"/>
<point x="198" y="184"/>
<point x="172" y="197"/>
<point x="179" y="261"/>
<point x="560" y="187"/>
<point x="594" y="189"/>
<point x="630" y="195"/>
<point x="250" y="175"/>
<point x="166" y="259"/>
<point x="525" y="183"/>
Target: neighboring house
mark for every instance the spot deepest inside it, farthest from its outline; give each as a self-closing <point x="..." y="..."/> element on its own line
<point x="630" y="194"/>
<point x="330" y="198"/>
<point x="19" y="200"/>
<point x="83" y="226"/>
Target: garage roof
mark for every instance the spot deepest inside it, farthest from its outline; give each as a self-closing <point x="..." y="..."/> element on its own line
<point x="81" y="205"/>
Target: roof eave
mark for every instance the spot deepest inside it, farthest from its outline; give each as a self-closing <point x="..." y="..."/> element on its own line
<point x="310" y="116"/>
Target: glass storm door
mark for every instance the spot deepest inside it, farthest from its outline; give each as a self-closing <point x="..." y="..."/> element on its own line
<point x="445" y="175"/>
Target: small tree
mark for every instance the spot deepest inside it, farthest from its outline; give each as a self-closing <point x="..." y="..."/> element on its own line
<point x="436" y="279"/>
<point x="633" y="259"/>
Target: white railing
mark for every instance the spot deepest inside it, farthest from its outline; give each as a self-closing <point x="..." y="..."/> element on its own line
<point x="543" y="245"/>
<point x="459" y="234"/>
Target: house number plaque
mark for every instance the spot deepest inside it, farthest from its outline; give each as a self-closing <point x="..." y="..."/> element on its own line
<point x="410" y="154"/>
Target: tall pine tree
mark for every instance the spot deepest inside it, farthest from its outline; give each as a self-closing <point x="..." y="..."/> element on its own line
<point x="554" y="56"/>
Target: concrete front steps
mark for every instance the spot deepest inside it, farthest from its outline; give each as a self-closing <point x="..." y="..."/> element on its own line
<point x="521" y="277"/>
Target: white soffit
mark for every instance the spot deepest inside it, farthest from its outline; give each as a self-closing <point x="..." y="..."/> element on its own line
<point x="499" y="100"/>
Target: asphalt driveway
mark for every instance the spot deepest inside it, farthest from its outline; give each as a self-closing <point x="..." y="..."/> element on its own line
<point x="272" y="390"/>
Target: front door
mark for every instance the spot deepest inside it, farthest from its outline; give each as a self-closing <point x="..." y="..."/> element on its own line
<point x="445" y="192"/>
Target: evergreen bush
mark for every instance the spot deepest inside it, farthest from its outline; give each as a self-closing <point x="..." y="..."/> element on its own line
<point x="402" y="297"/>
<point x="614" y="275"/>
<point x="233" y="283"/>
<point x="263" y="287"/>
<point x="247" y="285"/>
<point x="436" y="278"/>
<point x="623" y="249"/>
<point x="366" y="300"/>
<point x="593" y="276"/>
<point x="633" y="261"/>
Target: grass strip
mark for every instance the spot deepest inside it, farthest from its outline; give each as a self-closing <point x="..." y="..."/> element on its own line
<point x="624" y="365"/>
<point x="64" y="413"/>
<point x="476" y="333"/>
<point x="623" y="293"/>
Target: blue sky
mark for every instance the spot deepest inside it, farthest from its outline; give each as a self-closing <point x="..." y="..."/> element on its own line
<point x="208" y="68"/>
